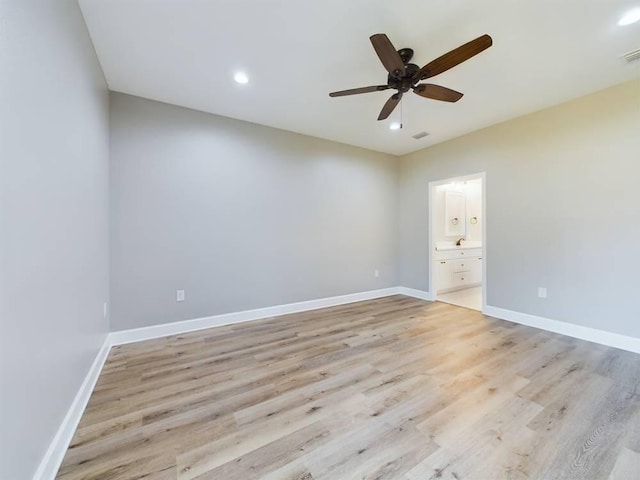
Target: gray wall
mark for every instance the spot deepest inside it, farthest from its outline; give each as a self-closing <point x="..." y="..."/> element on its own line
<point x="563" y="209"/>
<point x="53" y="221"/>
<point x="239" y="215"/>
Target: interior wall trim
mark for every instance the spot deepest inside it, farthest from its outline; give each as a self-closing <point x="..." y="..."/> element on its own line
<point x="50" y="463"/>
<point x="610" y="339"/>
<point x="156" y="331"/>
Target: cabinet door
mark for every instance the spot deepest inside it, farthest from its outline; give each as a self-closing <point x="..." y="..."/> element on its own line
<point x="444" y="275"/>
<point x="475" y="273"/>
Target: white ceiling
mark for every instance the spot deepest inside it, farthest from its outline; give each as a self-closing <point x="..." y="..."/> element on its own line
<point x="295" y="52"/>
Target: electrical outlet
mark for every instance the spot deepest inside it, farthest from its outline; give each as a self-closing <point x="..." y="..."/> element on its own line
<point x="542" y="292"/>
<point x="179" y="295"/>
<point x="376" y="273"/>
<point x="104" y="309"/>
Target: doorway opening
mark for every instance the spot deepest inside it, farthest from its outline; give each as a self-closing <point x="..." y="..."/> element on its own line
<point x="457" y="241"/>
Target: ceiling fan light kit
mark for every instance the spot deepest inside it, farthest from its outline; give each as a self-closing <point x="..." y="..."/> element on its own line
<point x="404" y="76"/>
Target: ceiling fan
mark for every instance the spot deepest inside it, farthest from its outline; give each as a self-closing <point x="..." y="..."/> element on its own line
<point x="404" y="76"/>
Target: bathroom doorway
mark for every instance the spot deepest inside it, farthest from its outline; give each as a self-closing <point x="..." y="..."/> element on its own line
<point x="457" y="241"/>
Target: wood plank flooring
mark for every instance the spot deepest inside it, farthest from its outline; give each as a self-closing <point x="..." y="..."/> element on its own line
<point x="394" y="388"/>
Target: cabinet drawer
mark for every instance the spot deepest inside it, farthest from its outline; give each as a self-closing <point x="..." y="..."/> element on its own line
<point x="462" y="278"/>
<point x="462" y="253"/>
<point x="462" y="264"/>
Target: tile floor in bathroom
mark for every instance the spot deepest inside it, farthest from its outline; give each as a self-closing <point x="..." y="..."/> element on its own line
<point x="468" y="298"/>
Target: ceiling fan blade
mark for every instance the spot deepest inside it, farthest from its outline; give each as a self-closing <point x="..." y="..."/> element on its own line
<point x="454" y="57"/>
<point x="387" y="53"/>
<point x="354" y="91"/>
<point x="437" y="92"/>
<point x="389" y="106"/>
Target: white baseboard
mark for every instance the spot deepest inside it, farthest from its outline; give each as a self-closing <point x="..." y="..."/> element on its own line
<point x="55" y="453"/>
<point x="421" y="294"/>
<point x="156" y="331"/>
<point x="602" y="337"/>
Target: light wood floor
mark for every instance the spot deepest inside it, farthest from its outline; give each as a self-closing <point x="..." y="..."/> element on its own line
<point x="394" y="388"/>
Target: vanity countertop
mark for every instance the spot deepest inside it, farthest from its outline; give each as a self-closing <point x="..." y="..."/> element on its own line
<point x="453" y="246"/>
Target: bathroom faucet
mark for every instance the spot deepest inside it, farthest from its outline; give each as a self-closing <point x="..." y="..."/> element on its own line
<point x="458" y="242"/>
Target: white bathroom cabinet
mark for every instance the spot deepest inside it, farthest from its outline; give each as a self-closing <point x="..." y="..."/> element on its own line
<point x="458" y="269"/>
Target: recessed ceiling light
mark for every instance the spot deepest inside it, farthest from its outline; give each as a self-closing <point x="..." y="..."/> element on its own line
<point x="632" y="16"/>
<point x="241" y="77"/>
<point x="395" y="126"/>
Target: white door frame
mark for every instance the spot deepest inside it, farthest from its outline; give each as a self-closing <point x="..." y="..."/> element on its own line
<point x="432" y="185"/>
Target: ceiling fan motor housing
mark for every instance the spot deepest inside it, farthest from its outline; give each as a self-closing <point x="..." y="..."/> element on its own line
<point x="406" y="80"/>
